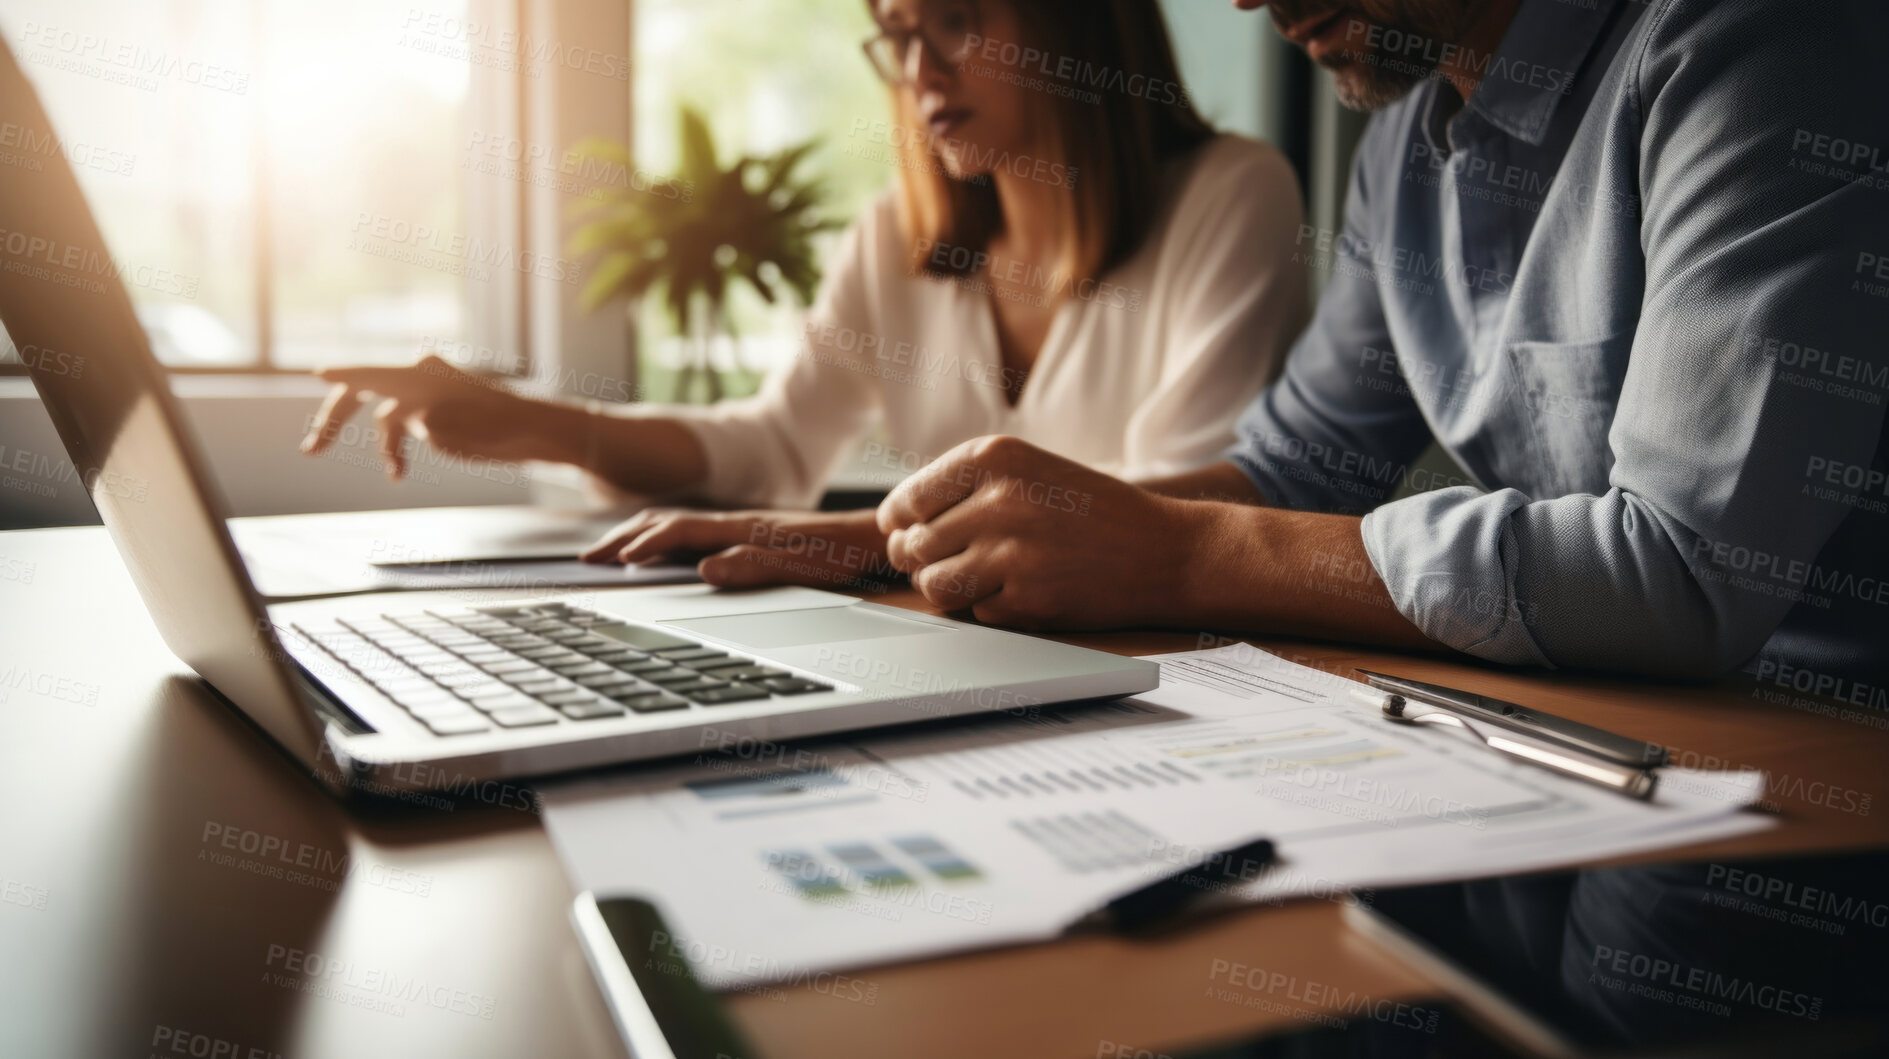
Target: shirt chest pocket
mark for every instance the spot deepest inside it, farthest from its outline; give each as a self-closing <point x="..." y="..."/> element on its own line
<point x="1562" y="403"/>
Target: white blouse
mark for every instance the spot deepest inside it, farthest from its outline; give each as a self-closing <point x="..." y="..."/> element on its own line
<point x="1142" y="375"/>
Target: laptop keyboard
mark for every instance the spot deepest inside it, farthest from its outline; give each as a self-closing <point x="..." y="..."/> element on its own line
<point x="521" y="666"/>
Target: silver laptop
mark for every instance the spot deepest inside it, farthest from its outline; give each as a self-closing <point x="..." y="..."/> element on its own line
<point x="429" y="690"/>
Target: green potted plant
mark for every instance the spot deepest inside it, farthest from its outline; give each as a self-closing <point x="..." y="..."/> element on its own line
<point x="693" y="238"/>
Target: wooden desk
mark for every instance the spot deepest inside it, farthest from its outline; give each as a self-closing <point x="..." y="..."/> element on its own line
<point x="129" y="920"/>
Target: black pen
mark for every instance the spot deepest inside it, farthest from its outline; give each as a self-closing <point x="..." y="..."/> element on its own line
<point x="1138" y="910"/>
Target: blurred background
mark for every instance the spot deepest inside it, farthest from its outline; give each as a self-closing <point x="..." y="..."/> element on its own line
<point x="288" y="185"/>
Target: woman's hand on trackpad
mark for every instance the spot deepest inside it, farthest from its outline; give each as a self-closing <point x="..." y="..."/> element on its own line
<point x="744" y="549"/>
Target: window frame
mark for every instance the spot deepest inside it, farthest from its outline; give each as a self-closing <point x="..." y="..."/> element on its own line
<point x="502" y="211"/>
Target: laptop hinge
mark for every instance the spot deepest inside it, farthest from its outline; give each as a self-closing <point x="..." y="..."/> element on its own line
<point x="327" y="706"/>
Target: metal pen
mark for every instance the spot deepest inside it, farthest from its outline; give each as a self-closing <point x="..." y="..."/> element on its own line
<point x="1621" y="779"/>
<point x="1546" y="727"/>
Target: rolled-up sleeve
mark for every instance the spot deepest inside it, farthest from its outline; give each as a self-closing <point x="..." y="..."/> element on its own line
<point x="1338" y="428"/>
<point x="1711" y="529"/>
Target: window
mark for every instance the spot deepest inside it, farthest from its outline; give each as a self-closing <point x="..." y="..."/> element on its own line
<point x="285" y="184"/>
<point x="765" y="76"/>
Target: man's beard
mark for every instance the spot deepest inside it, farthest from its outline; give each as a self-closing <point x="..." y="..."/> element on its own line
<point x="1401" y="51"/>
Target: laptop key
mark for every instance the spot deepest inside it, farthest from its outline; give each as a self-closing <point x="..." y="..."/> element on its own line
<point x="640" y="638"/>
<point x="590" y="711"/>
<point x="431" y="711"/>
<point x="430" y="631"/>
<point x="458" y="643"/>
<point x="710" y="665"/>
<point x="589" y="642"/>
<point x="515" y="665"/>
<point x="397" y="641"/>
<point x="730" y="693"/>
<point x="482" y="689"/>
<point x="456" y="725"/>
<point x="534" y="675"/>
<point x="673" y="675"/>
<point x="653" y="702"/>
<point x="396" y="683"/>
<point x="602" y="680"/>
<point x="794" y="686"/>
<point x="650" y="665"/>
<point x="751" y="672"/>
<point x="470" y="678"/>
<point x="543" y="687"/>
<point x="627" y="691"/>
<point x="691" y="653"/>
<point x="582" y="669"/>
<point x="690" y="687"/>
<point x="509" y="700"/>
<point x="524" y="716"/>
<point x="568" y="697"/>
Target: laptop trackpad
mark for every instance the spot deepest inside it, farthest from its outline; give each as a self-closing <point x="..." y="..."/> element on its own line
<point x="797" y="628"/>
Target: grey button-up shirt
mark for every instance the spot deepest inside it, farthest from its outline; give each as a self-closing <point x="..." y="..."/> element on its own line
<point x="1638" y="287"/>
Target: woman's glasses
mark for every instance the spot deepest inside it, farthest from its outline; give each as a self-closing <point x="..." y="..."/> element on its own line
<point x="946" y="27"/>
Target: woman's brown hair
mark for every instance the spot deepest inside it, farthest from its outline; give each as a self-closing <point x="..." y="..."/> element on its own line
<point x="1114" y="111"/>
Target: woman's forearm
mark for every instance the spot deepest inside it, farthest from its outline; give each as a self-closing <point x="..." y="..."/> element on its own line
<point x="646" y="455"/>
<point x="652" y="456"/>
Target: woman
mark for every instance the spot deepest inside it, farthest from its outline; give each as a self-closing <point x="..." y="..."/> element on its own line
<point x="1073" y="257"/>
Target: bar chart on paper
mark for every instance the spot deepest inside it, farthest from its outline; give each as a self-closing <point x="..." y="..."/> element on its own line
<point x="870" y="866"/>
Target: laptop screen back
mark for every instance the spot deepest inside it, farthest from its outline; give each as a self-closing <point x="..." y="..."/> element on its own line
<point x="64" y="304"/>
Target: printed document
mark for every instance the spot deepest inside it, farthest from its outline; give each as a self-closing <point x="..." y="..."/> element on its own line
<point x="777" y="862"/>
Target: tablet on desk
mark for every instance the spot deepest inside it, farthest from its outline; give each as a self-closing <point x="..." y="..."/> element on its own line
<point x="1718" y="958"/>
<point x="654" y="999"/>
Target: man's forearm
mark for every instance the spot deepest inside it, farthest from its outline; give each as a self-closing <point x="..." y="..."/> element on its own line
<point x="1266" y="570"/>
<point x="1222" y="481"/>
<point x="1263" y="569"/>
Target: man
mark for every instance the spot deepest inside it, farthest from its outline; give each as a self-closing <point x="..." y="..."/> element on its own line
<point x="1627" y="261"/>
